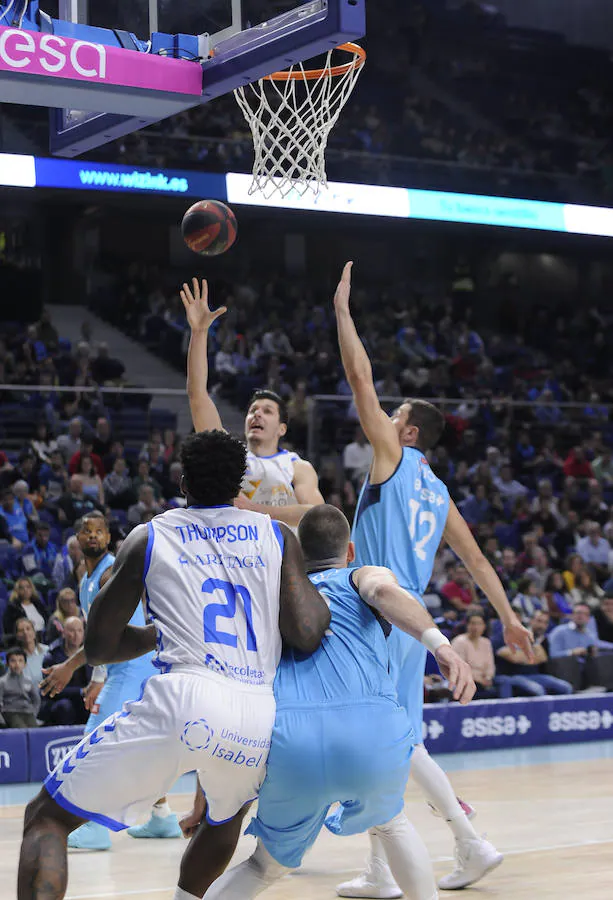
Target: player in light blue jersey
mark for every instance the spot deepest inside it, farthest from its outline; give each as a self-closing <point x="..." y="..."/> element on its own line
<point x="339" y="726"/>
<point x="110" y="686"/>
<point x="403" y="513"/>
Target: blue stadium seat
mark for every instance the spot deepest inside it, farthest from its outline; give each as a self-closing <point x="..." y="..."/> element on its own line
<point x="4" y="602"/>
<point x="51" y="600"/>
<point x="162" y="418"/>
<point x="508" y="536"/>
<point x="9" y="559"/>
<point x="120" y="516"/>
<point x="46" y="515"/>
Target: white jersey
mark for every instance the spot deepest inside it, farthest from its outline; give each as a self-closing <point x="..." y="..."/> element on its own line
<point x="212" y="581"/>
<point x="270" y="479"/>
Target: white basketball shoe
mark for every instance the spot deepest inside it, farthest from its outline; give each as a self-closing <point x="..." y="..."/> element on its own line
<point x="474" y="859"/>
<point x="376" y="882"/>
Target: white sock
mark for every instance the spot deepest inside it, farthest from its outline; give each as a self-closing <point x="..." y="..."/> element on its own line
<point x="408" y="858"/>
<point x="435" y="785"/>
<point x="180" y="894"/>
<point x="161" y="809"/>
<point x="248" y="879"/>
<point x="377" y="851"/>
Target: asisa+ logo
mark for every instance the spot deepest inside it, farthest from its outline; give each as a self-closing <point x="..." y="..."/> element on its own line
<point x="197" y="735"/>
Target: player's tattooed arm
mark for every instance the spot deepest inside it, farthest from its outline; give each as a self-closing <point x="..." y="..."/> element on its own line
<point x="109" y="637"/>
<point x="377" y="425"/>
<point x="303" y="612"/>
<point x="200" y="318"/>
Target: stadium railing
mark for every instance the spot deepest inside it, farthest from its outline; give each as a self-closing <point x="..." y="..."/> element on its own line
<point x="416" y="172"/>
<point x="133" y="411"/>
<point x="331" y="425"/>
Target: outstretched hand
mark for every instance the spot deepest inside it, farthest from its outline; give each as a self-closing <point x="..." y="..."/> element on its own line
<point x="343" y="291"/>
<point x="200" y="316"/>
<point x="55" y="680"/>
<point x="90" y="696"/>
<point x="516" y="637"/>
<point x="457" y="672"/>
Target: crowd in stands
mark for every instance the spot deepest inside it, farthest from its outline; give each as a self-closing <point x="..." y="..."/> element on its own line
<point x="450" y="99"/>
<point x="453" y="86"/>
<point x="72" y="458"/>
<point x="534" y="482"/>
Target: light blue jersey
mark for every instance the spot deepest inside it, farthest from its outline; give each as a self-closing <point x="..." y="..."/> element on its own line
<point x="399" y="524"/>
<point x="339" y="734"/>
<point x="89" y="587"/>
<point x="124" y="679"/>
<point x="90" y="584"/>
<point x="352" y="662"/>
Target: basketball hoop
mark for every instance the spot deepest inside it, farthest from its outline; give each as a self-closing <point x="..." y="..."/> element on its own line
<point x="291" y="115"/>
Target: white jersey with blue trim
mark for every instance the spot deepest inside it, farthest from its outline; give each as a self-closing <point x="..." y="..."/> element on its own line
<point x="212" y="581"/>
<point x="270" y="479"/>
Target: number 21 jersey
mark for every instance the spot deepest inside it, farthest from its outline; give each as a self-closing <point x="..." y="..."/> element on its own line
<point x="400" y="522"/>
<point x="212" y="581"/>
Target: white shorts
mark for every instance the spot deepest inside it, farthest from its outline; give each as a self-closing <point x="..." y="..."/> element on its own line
<point x="187" y="720"/>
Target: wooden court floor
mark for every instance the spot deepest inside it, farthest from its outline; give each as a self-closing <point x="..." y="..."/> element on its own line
<point x="554" y="822"/>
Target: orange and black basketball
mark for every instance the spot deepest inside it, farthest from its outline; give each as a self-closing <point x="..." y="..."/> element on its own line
<point x="209" y="227"/>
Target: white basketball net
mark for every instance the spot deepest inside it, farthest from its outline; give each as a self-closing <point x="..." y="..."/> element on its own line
<point x="291" y="120"/>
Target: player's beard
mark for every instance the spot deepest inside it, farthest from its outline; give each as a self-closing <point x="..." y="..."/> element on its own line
<point x="93" y="552"/>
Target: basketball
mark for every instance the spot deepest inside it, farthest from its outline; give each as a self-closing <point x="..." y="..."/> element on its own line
<point x="209" y="228"/>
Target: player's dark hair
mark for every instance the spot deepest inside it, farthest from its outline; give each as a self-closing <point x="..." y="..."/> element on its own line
<point x="323" y="533"/>
<point x="214" y="465"/>
<point x="263" y="394"/>
<point x="94" y="514"/>
<point x="429" y="420"/>
<point x="16" y="651"/>
<point x="475" y="615"/>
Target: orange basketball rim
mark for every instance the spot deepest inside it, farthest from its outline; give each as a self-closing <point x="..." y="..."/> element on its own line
<point x="359" y="58"/>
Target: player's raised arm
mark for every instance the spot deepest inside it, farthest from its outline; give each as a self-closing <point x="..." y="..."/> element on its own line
<point x="377" y="425"/>
<point x="200" y="318"/>
<point x="109" y="637"/>
<point x="459" y="537"/>
<point x="303" y="612"/>
<point x="379" y="588"/>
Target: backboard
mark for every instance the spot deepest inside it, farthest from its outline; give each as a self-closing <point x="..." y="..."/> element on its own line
<point x="107" y="68"/>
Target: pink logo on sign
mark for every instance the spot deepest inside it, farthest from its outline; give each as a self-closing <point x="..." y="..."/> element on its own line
<point x="59" y="57"/>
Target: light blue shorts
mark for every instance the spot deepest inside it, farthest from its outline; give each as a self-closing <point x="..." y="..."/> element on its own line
<point x="358" y="755"/>
<point x="407" y="667"/>
<point x="124" y="683"/>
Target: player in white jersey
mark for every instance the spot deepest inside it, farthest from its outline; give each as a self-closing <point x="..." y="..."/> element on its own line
<point x="223" y="587"/>
<point x="277" y="482"/>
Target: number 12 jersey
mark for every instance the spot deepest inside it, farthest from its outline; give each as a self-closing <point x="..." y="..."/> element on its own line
<point x="400" y="522"/>
<point x="212" y="581"/>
